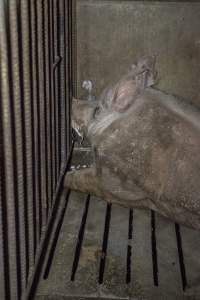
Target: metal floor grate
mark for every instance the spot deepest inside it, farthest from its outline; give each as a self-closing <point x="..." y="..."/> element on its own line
<point x="104" y="251"/>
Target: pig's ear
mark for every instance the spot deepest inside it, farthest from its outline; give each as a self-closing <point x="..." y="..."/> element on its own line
<point x="125" y="95"/>
<point x="141" y="76"/>
<point x="146" y="73"/>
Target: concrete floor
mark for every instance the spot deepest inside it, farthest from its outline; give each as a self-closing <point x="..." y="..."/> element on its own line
<point x="58" y="285"/>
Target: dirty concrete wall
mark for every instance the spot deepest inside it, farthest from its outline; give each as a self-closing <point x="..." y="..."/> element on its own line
<point x="111" y="35"/>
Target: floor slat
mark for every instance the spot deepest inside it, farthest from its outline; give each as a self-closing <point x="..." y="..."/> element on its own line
<point x="86" y="279"/>
<point x="60" y="273"/>
<point x="94" y="225"/>
<point x="191" y="251"/>
<point x="141" y="269"/>
<point x="168" y="258"/>
<point x="114" y="281"/>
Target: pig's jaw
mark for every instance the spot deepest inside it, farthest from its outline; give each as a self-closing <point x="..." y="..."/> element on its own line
<point x="97" y="126"/>
<point x="78" y="130"/>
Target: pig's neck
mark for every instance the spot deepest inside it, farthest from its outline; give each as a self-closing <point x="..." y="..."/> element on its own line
<point x="98" y="126"/>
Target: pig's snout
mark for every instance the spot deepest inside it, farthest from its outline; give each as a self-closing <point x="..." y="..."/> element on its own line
<point x="82" y="112"/>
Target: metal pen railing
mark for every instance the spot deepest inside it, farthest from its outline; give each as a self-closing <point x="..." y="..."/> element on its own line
<point x="35" y="97"/>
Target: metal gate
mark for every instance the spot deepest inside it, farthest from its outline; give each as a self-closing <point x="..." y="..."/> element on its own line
<point x="35" y="93"/>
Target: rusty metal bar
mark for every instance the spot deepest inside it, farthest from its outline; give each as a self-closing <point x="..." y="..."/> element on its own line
<point x="63" y="81"/>
<point x="19" y="127"/>
<point x="55" y="80"/>
<point x="50" y="99"/>
<point x="32" y="122"/>
<point x="8" y="137"/>
<point x="52" y="115"/>
<point x="4" y="274"/>
<point x="67" y="83"/>
<point x="59" y="84"/>
<point x="36" y="123"/>
<point x="27" y="119"/>
<point x="48" y="162"/>
<point x="41" y="110"/>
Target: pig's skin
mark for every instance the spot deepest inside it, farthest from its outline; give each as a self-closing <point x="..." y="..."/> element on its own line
<point x="147" y="156"/>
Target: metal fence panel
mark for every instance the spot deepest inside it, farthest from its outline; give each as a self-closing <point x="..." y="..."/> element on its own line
<point x="35" y="133"/>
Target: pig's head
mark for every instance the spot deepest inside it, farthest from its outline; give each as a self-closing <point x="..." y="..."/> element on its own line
<point x="93" y="117"/>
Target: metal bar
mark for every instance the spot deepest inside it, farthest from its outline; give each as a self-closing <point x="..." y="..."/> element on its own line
<point x="38" y="121"/>
<point x="50" y="121"/>
<point x="8" y="135"/>
<point x="69" y="63"/>
<point x="66" y="108"/>
<point x="67" y="120"/>
<point x="44" y="61"/>
<point x="47" y="75"/>
<point x="58" y="71"/>
<point x="16" y="87"/>
<point x="4" y="265"/>
<point x="27" y="115"/>
<point x="63" y="99"/>
<point x="32" y="150"/>
<point x="55" y="79"/>
<point x="36" y="124"/>
<point x="53" y="122"/>
<point x="41" y="113"/>
<point x="74" y="47"/>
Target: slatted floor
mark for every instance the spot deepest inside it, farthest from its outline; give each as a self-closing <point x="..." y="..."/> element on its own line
<point x="105" y="251"/>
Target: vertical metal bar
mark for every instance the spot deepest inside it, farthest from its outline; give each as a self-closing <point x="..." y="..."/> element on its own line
<point x="53" y="120"/>
<point x="27" y="119"/>
<point x="66" y="120"/>
<point x="55" y="85"/>
<point x="74" y="48"/>
<point x="46" y="102"/>
<point x="37" y="104"/>
<point x="69" y="35"/>
<point x="41" y="111"/>
<point x="8" y="136"/>
<point x="32" y="120"/>
<point x="63" y="98"/>
<point x="4" y="275"/>
<point x="50" y="113"/>
<point x="59" y="95"/>
<point x="35" y="80"/>
<point x="69" y="62"/>
<point x="16" y="87"/>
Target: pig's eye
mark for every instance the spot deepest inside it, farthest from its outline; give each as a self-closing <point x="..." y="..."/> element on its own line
<point x="97" y="111"/>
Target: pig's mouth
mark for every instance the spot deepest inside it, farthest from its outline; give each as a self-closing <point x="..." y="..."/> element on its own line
<point x="77" y="133"/>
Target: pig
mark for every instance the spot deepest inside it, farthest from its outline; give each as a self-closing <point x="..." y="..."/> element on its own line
<point x="146" y="147"/>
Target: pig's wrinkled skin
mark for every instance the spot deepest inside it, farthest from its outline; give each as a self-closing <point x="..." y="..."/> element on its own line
<point x="146" y="147"/>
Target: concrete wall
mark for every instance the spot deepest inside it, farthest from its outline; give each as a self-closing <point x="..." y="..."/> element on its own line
<point x="113" y="34"/>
